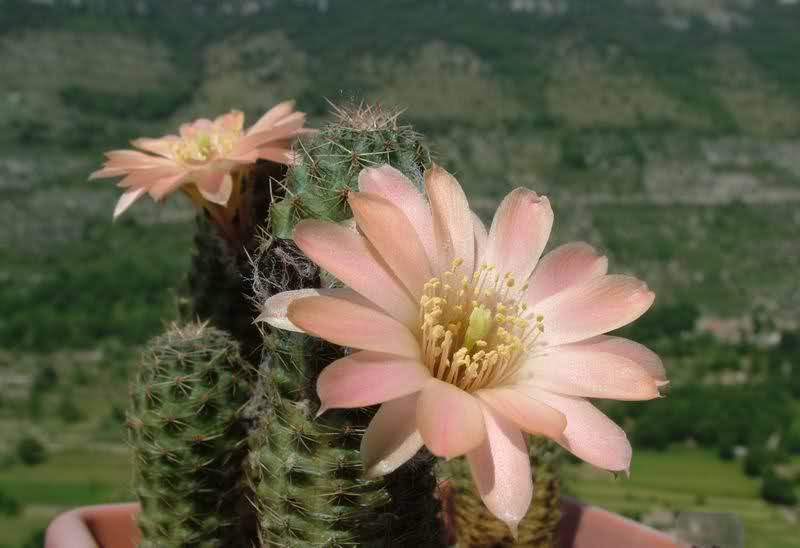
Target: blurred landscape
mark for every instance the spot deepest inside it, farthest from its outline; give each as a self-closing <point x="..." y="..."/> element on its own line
<point x="665" y="132"/>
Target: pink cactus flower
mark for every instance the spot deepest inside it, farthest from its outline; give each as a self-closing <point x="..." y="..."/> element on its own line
<point x="466" y="337"/>
<point x="202" y="159"/>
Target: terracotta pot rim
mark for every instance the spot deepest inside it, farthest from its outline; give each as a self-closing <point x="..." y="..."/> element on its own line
<point x="581" y="526"/>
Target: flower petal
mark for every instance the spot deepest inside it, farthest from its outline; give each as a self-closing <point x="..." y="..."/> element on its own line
<point x="590" y="374"/>
<point x="162" y="146"/>
<point x="126" y="200"/>
<point x="349" y="256"/>
<point x="452" y="219"/>
<point x="637" y="353"/>
<point x="391" y="438"/>
<point x="529" y="414"/>
<point x="519" y="232"/>
<point x="391" y="233"/>
<point x="272" y="117"/>
<point x="367" y="378"/>
<point x="346" y="323"/>
<point x="391" y="184"/>
<point x="166" y="185"/>
<point x="589" y="435"/>
<point x="216" y="187"/>
<point x="481" y="239"/>
<point x="501" y="470"/>
<point x="567" y="265"/>
<point x="593" y="308"/>
<point x="275" y="310"/>
<point x="449" y="419"/>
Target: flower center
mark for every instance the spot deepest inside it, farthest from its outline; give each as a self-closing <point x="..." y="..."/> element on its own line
<point x="204" y="145"/>
<point x="475" y="330"/>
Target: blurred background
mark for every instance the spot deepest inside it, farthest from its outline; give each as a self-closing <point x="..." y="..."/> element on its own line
<point x="665" y="132"/>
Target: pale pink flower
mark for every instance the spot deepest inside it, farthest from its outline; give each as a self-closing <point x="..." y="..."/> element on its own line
<point x="465" y="337"/>
<point x="203" y="157"/>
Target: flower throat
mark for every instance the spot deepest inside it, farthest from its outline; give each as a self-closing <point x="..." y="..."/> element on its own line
<point x="475" y="329"/>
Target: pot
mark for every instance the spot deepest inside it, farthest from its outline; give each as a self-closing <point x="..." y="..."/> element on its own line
<point x="581" y="526"/>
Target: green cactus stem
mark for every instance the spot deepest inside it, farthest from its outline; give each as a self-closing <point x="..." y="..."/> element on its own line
<point x="307" y="472"/>
<point x="188" y="440"/>
<point x="476" y="527"/>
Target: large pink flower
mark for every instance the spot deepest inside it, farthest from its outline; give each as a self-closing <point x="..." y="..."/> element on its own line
<point x="465" y="336"/>
<point x="202" y="158"/>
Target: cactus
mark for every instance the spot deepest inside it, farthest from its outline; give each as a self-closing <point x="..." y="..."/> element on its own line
<point x="477" y="527"/>
<point x="362" y="136"/>
<point x="219" y="281"/>
<point x="306" y="472"/>
<point x="188" y="439"/>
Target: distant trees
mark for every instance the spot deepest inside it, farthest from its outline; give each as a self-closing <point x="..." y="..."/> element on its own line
<point x="777" y="490"/>
<point x="31" y="451"/>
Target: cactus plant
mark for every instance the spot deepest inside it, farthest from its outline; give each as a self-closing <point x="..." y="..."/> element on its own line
<point x="188" y="439"/>
<point x="477" y="527"/>
<point x="306" y="471"/>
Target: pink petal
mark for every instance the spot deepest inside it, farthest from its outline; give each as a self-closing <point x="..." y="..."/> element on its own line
<point x="567" y="265"/>
<point x="346" y="323"/>
<point x="272" y="116"/>
<point x="452" y="219"/>
<point x="593" y="308"/>
<point x="350" y="257"/>
<point x="637" y="353"/>
<point x="275" y="310"/>
<point x="449" y="419"/>
<point x="391" y="184"/>
<point x="481" y="239"/>
<point x="519" y="232"/>
<point x="133" y="159"/>
<point x="126" y="200"/>
<point x="162" y="146"/>
<point x="279" y="155"/>
<point x="391" y="438"/>
<point x="589" y="435"/>
<point x="148" y="177"/>
<point x="529" y="414"/>
<point x="216" y="187"/>
<point x="261" y="138"/>
<point x="166" y="185"/>
<point x="569" y="370"/>
<point x="501" y="470"/>
<point x="391" y="233"/>
<point x="367" y="378"/>
<point x="107" y="172"/>
<point x="232" y="121"/>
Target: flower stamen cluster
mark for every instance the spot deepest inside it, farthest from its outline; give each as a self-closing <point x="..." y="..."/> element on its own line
<point x="475" y="331"/>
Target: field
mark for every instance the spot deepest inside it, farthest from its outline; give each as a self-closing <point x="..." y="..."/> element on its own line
<point x="687" y="480"/>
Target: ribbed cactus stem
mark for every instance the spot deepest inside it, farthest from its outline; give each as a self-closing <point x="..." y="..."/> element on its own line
<point x="188" y="439"/>
<point x="476" y="527"/>
<point x="306" y="471"/>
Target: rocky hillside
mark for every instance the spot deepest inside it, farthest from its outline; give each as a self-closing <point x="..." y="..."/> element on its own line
<point x="665" y="132"/>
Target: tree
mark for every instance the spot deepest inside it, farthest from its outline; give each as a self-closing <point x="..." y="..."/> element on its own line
<point x="31" y="451"/>
<point x="777" y="490"/>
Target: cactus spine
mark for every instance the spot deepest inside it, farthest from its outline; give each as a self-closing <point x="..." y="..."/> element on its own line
<point x="307" y="472"/>
<point x="477" y="527"/>
<point x="188" y="439"/>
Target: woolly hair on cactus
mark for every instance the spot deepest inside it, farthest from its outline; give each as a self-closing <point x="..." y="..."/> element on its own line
<point x="476" y="527"/>
<point x="188" y="439"/>
<point x="218" y="287"/>
<point x="307" y="472"/>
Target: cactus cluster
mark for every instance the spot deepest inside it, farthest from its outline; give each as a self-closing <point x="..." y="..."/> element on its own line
<point x="188" y="439"/>
<point x="476" y="527"/>
<point x="229" y="454"/>
<point x="306" y="471"/>
<point x="361" y="136"/>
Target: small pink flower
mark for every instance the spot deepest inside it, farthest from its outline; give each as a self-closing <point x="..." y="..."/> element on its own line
<point x="465" y="337"/>
<point x="202" y="159"/>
